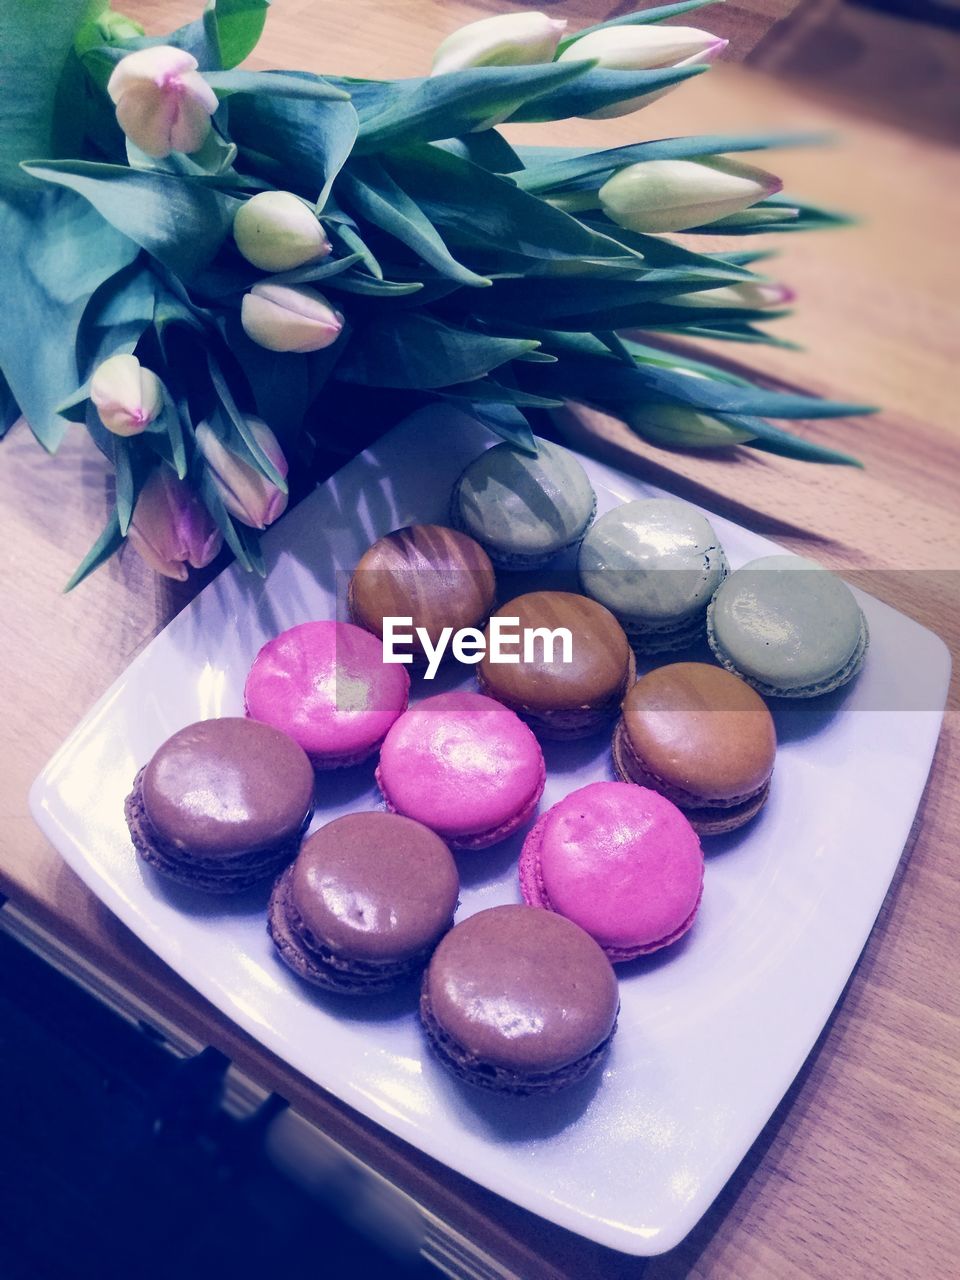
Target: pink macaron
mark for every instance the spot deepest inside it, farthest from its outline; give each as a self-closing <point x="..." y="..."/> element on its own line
<point x="463" y="765"/>
<point x="619" y="860"/>
<point x="325" y="684"/>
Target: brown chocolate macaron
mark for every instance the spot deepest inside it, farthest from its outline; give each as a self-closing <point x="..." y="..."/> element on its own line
<point x="561" y="699"/>
<point x="222" y="804"/>
<point x="701" y="737"/>
<point x="365" y="903"/>
<point x="519" y="1000"/>
<point x="434" y="575"/>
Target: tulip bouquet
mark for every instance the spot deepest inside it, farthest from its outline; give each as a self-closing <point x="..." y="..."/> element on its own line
<point x="231" y="276"/>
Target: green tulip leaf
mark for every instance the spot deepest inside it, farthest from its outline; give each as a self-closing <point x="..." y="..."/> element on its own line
<point x="275" y="85"/>
<point x="597" y="88"/>
<point x="412" y="350"/>
<point x="372" y="194"/>
<point x="642" y="17"/>
<point x="181" y="223"/>
<point x="508" y="422"/>
<point x="238" y="25"/>
<point x="9" y="409"/>
<point x="108" y="542"/>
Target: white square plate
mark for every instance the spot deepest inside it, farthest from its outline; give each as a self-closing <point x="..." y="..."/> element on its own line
<point x="712" y="1031"/>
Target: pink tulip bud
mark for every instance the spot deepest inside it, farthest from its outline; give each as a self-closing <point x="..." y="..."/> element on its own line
<point x="246" y="492"/>
<point x="171" y="528"/>
<point x="163" y="103"/>
<point x="288" y="318"/>
<point x="128" y="397"/>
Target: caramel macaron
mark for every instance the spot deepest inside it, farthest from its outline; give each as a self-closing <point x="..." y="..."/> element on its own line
<point x="701" y="737"/>
<point x="561" y="699"/>
<point x="434" y="575"/>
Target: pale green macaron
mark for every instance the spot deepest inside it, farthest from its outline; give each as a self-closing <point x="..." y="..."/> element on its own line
<point x="787" y="626"/>
<point x="523" y="510"/>
<point x="655" y="564"/>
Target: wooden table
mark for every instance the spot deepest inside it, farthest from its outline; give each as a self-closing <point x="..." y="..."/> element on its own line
<point x="858" y="1172"/>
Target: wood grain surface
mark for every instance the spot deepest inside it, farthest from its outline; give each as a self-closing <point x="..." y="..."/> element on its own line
<point x="858" y="1172"/>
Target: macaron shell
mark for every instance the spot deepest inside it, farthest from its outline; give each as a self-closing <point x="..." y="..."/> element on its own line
<point x="461" y="764"/>
<point x="523" y="989"/>
<point x="375" y="886"/>
<point x="327" y="686"/>
<point x="512" y="502"/>
<point x="652" y="562"/>
<point x="622" y="862"/>
<point x="437" y="576"/>
<point x="786" y="624"/>
<point x="221" y="787"/>
<point x="600" y="656"/>
<point x="702" y="730"/>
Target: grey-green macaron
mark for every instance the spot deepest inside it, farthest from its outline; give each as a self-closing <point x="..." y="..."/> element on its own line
<point x="655" y="564"/>
<point x="523" y="510"/>
<point x="787" y="626"/>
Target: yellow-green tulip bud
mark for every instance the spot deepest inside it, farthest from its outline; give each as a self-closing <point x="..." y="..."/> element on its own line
<point x="277" y="231"/>
<point x="505" y="40"/>
<point x="677" y="426"/>
<point x="673" y="195"/>
<point x="245" y="491"/>
<point x="289" y="318"/>
<point x="127" y="396"/>
<point x="643" y="48"/>
<point x="163" y="103"/>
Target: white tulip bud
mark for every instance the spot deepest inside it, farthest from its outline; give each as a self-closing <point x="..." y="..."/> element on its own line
<point x="289" y="318"/>
<point x="128" y="397"/>
<point x="163" y="103"/>
<point x="673" y="195"/>
<point x="505" y="40"/>
<point x="644" y="48"/>
<point x="677" y="426"/>
<point x="746" y="297"/>
<point x="276" y="231"/>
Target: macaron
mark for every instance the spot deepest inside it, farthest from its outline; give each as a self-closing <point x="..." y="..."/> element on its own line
<point x="558" y="698"/>
<point x="222" y="804"/>
<point x="327" y="686"/>
<point x="788" y="627"/>
<point x="519" y="1001"/>
<point x="365" y="902"/>
<point x="524" y="510"/>
<point x="463" y="765"/>
<point x="620" y="861"/>
<point x="433" y="575"/>
<point x="655" y="563"/>
<point x="701" y="737"/>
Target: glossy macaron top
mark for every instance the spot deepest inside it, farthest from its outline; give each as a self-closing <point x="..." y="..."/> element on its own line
<point x="600" y="656"/>
<point x="460" y="763"/>
<point x="652" y="560"/>
<point x="701" y="730"/>
<point x="375" y="886"/>
<point x="327" y="686"/>
<point x="437" y="576"/>
<point x="785" y="622"/>
<point x="517" y="504"/>
<point x="522" y="988"/>
<point x="222" y="787"/>
<point x="622" y="862"/>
